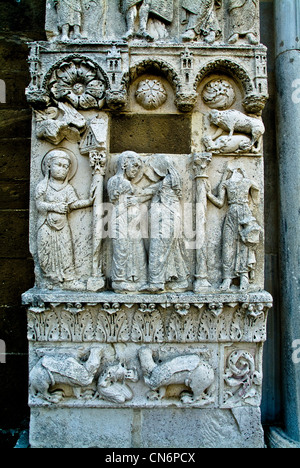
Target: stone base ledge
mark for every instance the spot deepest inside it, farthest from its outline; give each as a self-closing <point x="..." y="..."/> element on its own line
<point x="146" y="428"/>
<point x="38" y="296"/>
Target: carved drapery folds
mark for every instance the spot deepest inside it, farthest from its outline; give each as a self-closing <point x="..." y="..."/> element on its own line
<point x="149" y="258"/>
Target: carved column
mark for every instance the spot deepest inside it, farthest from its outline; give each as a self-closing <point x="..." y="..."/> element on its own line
<point x="201" y="161"/>
<point x="287" y="14"/>
<point x="98" y="165"/>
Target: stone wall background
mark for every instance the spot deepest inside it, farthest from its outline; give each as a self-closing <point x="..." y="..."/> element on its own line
<point x="22" y="21"/>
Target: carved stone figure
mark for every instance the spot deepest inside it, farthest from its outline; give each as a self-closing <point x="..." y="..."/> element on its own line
<point x="243" y="20"/>
<point x="112" y="385"/>
<point x="241" y="233"/>
<point x="201" y="20"/>
<point x="69" y="18"/>
<point x="129" y="268"/>
<point x="141" y="10"/>
<point x="55" y="199"/>
<point x="225" y="144"/>
<point x="55" y="124"/>
<point x="234" y="121"/>
<point x="67" y="367"/>
<point x="185" y="369"/>
<point x="166" y="254"/>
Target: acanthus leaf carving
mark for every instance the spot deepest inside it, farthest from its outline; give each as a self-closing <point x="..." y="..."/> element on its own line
<point x="147" y="326"/>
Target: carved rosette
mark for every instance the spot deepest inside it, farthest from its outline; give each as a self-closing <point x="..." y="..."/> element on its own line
<point x="151" y="94"/>
<point x="79" y="82"/>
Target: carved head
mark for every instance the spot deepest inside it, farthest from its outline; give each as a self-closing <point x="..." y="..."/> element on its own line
<point x="236" y="173"/>
<point x="214" y="117"/>
<point x="162" y="166"/>
<point x="58" y="163"/>
<point x="129" y="164"/>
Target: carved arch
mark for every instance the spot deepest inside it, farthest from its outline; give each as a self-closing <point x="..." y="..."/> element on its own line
<point x="70" y="58"/>
<point x="78" y="80"/>
<point x="156" y="67"/>
<point x="229" y="67"/>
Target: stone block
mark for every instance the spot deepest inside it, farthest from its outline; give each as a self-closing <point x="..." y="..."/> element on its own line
<point x="80" y="428"/>
<point x="151" y="428"/>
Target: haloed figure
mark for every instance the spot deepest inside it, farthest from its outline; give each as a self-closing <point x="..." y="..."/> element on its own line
<point x="55" y="199"/>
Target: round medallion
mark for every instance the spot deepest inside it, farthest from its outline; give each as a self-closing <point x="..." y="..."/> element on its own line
<point x="151" y="94"/>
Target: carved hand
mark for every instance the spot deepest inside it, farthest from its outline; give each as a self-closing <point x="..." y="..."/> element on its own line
<point x="61" y="208"/>
<point x="132" y="201"/>
<point x="208" y="187"/>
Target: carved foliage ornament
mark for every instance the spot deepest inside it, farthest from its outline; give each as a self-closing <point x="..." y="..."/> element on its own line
<point x="218" y="94"/>
<point x="151" y="94"/>
<point x="79" y="82"/>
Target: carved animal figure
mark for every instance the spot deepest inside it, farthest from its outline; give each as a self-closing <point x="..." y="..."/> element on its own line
<point x="234" y="121"/>
<point x="111" y="384"/>
<point x="186" y="369"/>
<point x="225" y="144"/>
<point x="54" y="369"/>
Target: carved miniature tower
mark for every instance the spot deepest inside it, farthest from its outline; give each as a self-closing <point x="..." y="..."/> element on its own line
<point x="148" y="316"/>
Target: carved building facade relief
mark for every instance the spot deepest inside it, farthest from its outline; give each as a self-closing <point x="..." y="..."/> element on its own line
<point x="147" y="215"/>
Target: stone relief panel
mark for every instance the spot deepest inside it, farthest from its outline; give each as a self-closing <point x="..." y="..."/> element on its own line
<point x="242" y="377"/>
<point x="225" y="376"/>
<point x="219" y="94"/>
<point x="205" y="21"/>
<point x="151" y="94"/>
<point x="146" y="206"/>
<point x="130" y="375"/>
<point x="228" y="128"/>
<point x="142" y="224"/>
<point x="80" y="82"/>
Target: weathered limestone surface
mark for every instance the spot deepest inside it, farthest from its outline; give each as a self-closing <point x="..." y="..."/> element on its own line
<point x="148" y="240"/>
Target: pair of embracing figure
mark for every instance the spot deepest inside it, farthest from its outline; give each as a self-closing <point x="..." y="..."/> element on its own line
<point x="163" y="266"/>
